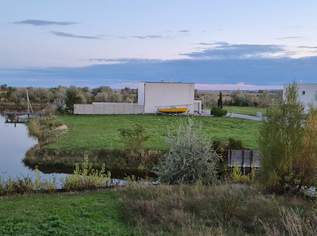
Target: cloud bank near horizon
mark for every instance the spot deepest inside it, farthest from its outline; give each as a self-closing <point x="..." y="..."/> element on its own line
<point x="224" y="50"/>
<point x="228" y="65"/>
<point x="259" y="72"/>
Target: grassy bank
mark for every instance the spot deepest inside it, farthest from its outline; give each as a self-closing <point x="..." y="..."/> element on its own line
<point x="94" y="213"/>
<point x="101" y="132"/>
<point x="245" y="110"/>
<point x="99" y="138"/>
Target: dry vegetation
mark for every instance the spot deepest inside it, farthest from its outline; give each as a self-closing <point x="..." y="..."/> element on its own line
<point x="227" y="209"/>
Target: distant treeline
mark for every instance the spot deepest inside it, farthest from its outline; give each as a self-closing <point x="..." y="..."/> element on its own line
<point x="261" y="98"/>
<point x="62" y="99"/>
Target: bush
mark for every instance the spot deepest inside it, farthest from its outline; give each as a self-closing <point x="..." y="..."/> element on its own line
<point x="134" y="138"/>
<point x="189" y="159"/>
<point x="43" y="128"/>
<point x="238" y="177"/>
<point x="85" y="177"/>
<point x="217" y="111"/>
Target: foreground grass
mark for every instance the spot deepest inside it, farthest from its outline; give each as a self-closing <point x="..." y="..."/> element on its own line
<point x="139" y="209"/>
<point x="95" y="213"/>
<point x="245" y="110"/>
<point x="101" y="132"/>
<point x="227" y="209"/>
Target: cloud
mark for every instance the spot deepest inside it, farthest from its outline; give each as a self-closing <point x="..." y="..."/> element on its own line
<point x="260" y="71"/>
<point x="35" y="22"/>
<point x="70" y="35"/>
<point x="308" y="47"/>
<point x="184" y="31"/>
<point x="224" y="50"/>
<point x="150" y="36"/>
<point x="289" y="37"/>
<point x="240" y="65"/>
<point x="205" y="44"/>
<point x="123" y="60"/>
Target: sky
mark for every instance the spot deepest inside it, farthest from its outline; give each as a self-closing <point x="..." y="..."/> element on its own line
<point x="121" y="42"/>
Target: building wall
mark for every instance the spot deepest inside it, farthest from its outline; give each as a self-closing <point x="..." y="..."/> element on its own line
<point x="108" y="108"/>
<point x="157" y="95"/>
<point x="197" y="106"/>
<point x="307" y="94"/>
<point x="141" y="94"/>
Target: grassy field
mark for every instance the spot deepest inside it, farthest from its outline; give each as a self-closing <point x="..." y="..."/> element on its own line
<point x="96" y="213"/>
<point x="245" y="110"/>
<point x="101" y="132"/>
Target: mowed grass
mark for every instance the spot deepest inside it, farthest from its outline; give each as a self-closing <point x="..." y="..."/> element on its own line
<point x="102" y="132"/>
<point x="245" y="110"/>
<point x="95" y="213"/>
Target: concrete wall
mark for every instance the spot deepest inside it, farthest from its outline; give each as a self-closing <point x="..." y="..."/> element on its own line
<point x="108" y="108"/>
<point x="307" y="94"/>
<point x="158" y="95"/>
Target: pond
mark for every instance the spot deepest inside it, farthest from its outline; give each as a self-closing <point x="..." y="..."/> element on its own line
<point x="14" y="143"/>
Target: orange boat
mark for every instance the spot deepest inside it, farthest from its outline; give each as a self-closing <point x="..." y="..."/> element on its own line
<point x="173" y="110"/>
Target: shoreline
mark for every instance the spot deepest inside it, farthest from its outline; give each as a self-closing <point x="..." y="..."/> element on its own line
<point x="121" y="163"/>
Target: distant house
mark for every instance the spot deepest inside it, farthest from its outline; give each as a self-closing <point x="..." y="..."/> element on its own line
<point x="153" y="97"/>
<point x="307" y="95"/>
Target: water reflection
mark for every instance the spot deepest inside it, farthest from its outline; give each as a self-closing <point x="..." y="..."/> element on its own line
<point x="14" y="143"/>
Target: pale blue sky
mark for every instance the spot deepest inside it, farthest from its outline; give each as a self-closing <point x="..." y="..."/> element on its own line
<point x="77" y="33"/>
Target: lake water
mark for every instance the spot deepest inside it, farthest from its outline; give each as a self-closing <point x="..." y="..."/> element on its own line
<point x="14" y="143"/>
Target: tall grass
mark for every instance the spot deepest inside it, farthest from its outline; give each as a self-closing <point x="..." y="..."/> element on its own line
<point x="228" y="209"/>
<point x="26" y="185"/>
<point x="86" y="177"/>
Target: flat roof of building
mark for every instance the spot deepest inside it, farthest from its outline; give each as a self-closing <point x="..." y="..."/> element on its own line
<point x="164" y="82"/>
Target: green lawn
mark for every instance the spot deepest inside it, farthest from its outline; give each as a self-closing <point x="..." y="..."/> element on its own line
<point x="96" y="213"/>
<point x="245" y="110"/>
<point x="101" y="132"/>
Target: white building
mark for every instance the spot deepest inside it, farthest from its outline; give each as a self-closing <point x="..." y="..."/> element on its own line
<point x="156" y="95"/>
<point x="307" y="94"/>
<point x="152" y="96"/>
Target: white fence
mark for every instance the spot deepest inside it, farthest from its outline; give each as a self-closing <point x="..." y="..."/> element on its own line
<point x="108" y="108"/>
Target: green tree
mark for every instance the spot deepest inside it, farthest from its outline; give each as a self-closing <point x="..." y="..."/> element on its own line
<point x="285" y="142"/>
<point x="73" y="96"/>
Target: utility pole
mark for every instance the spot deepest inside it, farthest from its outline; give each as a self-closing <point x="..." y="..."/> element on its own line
<point x="30" y="109"/>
